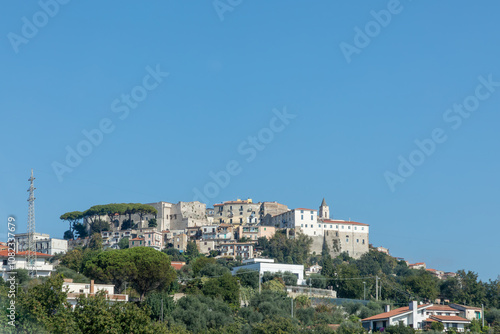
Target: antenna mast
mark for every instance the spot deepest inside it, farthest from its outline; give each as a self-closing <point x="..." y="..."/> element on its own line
<point x="31" y="251"/>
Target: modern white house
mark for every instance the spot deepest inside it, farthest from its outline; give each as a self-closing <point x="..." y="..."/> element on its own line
<point x="43" y="267"/>
<point x="268" y="265"/>
<point x="75" y="290"/>
<point x="417" y="317"/>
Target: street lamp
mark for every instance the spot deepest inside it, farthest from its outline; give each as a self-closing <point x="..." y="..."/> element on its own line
<point x="364" y="290"/>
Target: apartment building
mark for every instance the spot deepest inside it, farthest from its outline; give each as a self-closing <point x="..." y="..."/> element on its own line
<point x="237" y="212"/>
<point x="43" y="243"/>
<point x="75" y="290"/>
<point x="43" y="267"/>
<point x="243" y="249"/>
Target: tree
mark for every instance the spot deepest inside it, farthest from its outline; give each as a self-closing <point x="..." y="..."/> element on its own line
<point x="192" y="250"/>
<point x="80" y="231"/>
<point x="248" y="278"/>
<point x="72" y="218"/>
<point x="127" y="224"/>
<point x="98" y="226"/>
<point x="158" y="301"/>
<point x="73" y="259"/>
<point x="145" y="268"/>
<point x="198" y="264"/>
<point x="422" y="284"/>
<point x="123" y="243"/>
<point x="68" y="235"/>
<point x="437" y="326"/>
<point x="152" y="222"/>
<point x="95" y="242"/>
<point x="225" y="287"/>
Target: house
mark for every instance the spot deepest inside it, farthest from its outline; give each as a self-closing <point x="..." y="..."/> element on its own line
<point x="268" y="265"/>
<point x="243" y="249"/>
<point x="419" y="265"/>
<point x="206" y="246"/>
<point x="177" y="265"/>
<point x="136" y="242"/>
<point x="314" y="269"/>
<point x="382" y="250"/>
<point x="75" y="290"/>
<point x="43" y="267"/>
<point x="252" y="232"/>
<point x="469" y="312"/>
<point x="417" y="317"/>
<point x="112" y="238"/>
<point x="180" y="242"/>
<point x="153" y="239"/>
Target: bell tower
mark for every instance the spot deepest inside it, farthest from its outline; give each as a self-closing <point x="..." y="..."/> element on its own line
<point x="324" y="210"/>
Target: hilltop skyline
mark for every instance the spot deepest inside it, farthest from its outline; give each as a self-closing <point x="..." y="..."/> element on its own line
<point x="388" y="110"/>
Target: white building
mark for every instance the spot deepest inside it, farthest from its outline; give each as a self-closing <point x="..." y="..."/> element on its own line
<point x="268" y="265"/>
<point x="417" y="317"/>
<point x="43" y="267"/>
<point x="75" y="290"/>
<point x="239" y="212"/>
<point x="43" y="243"/>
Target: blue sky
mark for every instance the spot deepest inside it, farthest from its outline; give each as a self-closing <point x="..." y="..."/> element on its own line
<point x="353" y="117"/>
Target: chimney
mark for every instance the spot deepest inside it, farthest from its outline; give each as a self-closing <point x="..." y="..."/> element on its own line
<point x="387" y="308"/>
<point x="414" y="319"/>
<point x="92" y="286"/>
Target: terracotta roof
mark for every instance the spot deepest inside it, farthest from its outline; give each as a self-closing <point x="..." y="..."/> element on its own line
<point x="305" y="209"/>
<point x="417" y="264"/>
<point x="177" y="264"/>
<point x="5" y="253"/>
<point x="448" y="318"/>
<point x="442" y="308"/>
<point x="136" y="239"/>
<point x="393" y="313"/>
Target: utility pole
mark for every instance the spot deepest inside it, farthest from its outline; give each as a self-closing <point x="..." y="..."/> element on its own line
<point x="482" y="313"/>
<point x="260" y="278"/>
<point x="380" y="294"/>
<point x="376" y="287"/>
<point x="291" y="298"/>
<point x="364" y="290"/>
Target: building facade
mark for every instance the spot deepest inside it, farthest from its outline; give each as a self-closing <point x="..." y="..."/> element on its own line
<point x="43" y="267"/>
<point x="43" y="243"/>
<point x="239" y="212"/>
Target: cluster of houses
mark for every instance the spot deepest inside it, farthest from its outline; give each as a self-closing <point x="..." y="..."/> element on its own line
<point x="442" y="275"/>
<point x="232" y="228"/>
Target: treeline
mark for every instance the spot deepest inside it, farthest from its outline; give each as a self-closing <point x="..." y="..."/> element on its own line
<point x="78" y="230"/>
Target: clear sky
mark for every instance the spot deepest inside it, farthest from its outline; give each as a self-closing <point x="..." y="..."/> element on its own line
<point x="297" y="100"/>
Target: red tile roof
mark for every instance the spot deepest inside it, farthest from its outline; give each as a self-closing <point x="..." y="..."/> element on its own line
<point x="177" y="264"/>
<point x="393" y="313"/>
<point x="5" y="253"/>
<point x="136" y="239"/>
<point x="449" y="318"/>
<point x="305" y="209"/>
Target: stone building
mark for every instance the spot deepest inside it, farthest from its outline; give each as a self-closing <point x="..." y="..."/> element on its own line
<point x="180" y="216"/>
<point x="239" y="212"/>
<point x="270" y="209"/>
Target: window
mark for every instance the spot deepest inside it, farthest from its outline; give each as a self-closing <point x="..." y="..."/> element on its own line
<point x="357" y="241"/>
<point x="349" y="227"/>
<point x="301" y="211"/>
<point x="312" y="213"/>
<point x="363" y="241"/>
<point x="331" y="226"/>
<point x="230" y="220"/>
<point x="4" y="262"/>
<point x="342" y="226"/>
<point x="311" y="217"/>
<point x="264" y="229"/>
<point x="301" y="217"/>
<point x="355" y="228"/>
<point x="362" y="229"/>
<point x="306" y="225"/>
<point x="301" y="225"/>
<point x="241" y="220"/>
<point x="347" y="240"/>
